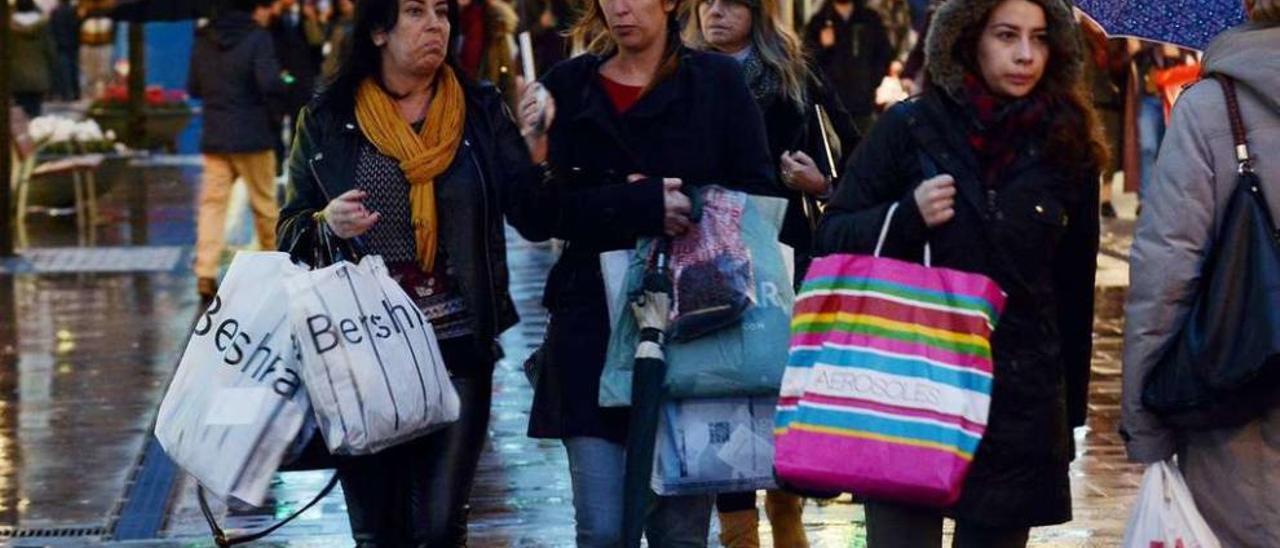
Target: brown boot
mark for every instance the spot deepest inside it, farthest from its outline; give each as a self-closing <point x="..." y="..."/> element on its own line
<point x="740" y="529"/>
<point x="784" y="511"/>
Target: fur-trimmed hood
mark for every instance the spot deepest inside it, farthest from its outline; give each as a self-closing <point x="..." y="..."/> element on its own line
<point x="942" y="55"/>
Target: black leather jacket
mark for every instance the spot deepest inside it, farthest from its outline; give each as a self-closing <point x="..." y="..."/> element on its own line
<point x="322" y="165"/>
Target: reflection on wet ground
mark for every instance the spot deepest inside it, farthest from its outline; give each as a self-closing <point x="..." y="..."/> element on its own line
<point x="85" y="357"/>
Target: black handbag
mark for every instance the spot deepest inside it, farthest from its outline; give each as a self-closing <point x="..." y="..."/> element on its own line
<point x="1223" y="369"/>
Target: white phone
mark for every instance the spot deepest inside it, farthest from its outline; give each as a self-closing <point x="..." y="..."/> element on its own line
<point x="531" y="76"/>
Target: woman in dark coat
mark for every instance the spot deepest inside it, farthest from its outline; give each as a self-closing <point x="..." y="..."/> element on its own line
<point x="629" y="126"/>
<point x="1005" y="122"/>
<point x="451" y="141"/>
<point x="789" y="94"/>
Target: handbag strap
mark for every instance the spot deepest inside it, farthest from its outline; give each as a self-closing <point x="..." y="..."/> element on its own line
<point x="1243" y="159"/>
<point x="222" y="540"/>
<point x="1238" y="133"/>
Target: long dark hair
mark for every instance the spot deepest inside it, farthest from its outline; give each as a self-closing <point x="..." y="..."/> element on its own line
<point x="359" y="58"/>
<point x="1074" y="121"/>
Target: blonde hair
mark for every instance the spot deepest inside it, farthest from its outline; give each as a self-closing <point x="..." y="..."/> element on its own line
<point x="592" y="30"/>
<point x="777" y="45"/>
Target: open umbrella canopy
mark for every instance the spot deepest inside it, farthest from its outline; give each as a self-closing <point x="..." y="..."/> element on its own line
<point x="1188" y="23"/>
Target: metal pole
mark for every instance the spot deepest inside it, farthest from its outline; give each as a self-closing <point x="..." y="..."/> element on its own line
<point x="137" y="84"/>
<point x="6" y="144"/>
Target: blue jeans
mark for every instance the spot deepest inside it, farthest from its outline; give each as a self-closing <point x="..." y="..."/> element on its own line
<point x="596" y="468"/>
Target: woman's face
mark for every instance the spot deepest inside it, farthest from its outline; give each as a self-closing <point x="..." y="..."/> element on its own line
<point x="1014" y="48"/>
<point x="725" y="24"/>
<point x="637" y="25"/>
<point x="416" y="45"/>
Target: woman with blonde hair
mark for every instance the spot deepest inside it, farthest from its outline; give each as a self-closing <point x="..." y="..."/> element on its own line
<point x="798" y="107"/>
<point x="622" y="130"/>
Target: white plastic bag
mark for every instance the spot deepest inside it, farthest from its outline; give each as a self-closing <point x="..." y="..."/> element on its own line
<point x="722" y="445"/>
<point x="236" y="401"/>
<point x="370" y="360"/>
<point x="1165" y="515"/>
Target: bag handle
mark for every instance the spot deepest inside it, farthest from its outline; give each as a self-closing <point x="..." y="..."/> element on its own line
<point x="929" y="170"/>
<point x="220" y="537"/>
<point x="884" y="233"/>
<point x="1244" y="160"/>
<point x="1238" y="133"/>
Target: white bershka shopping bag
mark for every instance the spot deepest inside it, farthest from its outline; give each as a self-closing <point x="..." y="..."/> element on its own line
<point x="370" y="360"/>
<point x="1165" y="515"/>
<point x="236" y="401"/>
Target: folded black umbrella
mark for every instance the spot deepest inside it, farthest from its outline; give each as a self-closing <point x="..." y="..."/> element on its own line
<point x="651" y="305"/>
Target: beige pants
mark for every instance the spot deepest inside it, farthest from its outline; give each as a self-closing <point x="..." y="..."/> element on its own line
<point x="220" y="171"/>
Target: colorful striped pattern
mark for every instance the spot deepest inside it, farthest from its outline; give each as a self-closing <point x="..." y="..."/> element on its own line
<point x="890" y="363"/>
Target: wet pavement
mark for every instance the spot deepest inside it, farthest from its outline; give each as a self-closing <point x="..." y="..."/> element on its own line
<point x="90" y="336"/>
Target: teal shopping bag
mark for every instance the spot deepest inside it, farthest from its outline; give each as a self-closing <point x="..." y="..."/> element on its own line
<point x="744" y="359"/>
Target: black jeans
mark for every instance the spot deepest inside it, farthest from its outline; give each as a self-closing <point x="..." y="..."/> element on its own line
<point x="416" y="494"/>
<point x="899" y="526"/>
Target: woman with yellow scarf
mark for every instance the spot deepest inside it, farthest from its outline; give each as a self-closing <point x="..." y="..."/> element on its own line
<point x="401" y="156"/>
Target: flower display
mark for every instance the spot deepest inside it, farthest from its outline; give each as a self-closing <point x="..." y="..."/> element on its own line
<point x="156" y="97"/>
<point x="62" y="135"/>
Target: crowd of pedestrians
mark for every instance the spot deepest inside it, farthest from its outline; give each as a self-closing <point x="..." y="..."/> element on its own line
<point x="409" y="128"/>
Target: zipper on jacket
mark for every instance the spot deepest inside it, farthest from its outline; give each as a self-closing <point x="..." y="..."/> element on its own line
<point x="311" y="164"/>
<point x="484" y="203"/>
<point x="993" y="209"/>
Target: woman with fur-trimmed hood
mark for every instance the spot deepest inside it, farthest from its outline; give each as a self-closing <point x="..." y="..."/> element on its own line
<point x="995" y="166"/>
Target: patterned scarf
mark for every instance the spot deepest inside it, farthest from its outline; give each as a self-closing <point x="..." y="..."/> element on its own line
<point x="424" y="155"/>
<point x="1000" y="127"/>
<point x="765" y="85"/>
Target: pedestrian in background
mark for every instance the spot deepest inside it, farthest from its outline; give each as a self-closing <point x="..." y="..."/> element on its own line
<point x="548" y="23"/>
<point x="487" y="44"/>
<point x="404" y="154"/>
<point x="234" y="71"/>
<point x="297" y="39"/>
<point x="629" y="125"/>
<point x="788" y="92"/>
<point x="1231" y="471"/>
<point x="1005" y="120"/>
<point x="65" y="24"/>
<point x="850" y="45"/>
<point x="32" y="57"/>
<point x="341" y="23"/>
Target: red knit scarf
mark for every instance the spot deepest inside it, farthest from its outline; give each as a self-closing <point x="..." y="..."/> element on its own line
<point x="1001" y="126"/>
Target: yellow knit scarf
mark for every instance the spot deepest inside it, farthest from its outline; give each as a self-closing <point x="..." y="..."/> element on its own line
<point x="422" y="156"/>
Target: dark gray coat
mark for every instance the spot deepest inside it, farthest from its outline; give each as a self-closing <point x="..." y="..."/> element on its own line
<point x="234" y="70"/>
<point x="1231" y="471"/>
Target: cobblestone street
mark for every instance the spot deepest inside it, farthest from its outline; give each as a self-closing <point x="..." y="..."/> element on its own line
<point x="90" y="336"/>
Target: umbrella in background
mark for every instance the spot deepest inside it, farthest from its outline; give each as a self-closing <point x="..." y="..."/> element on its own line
<point x="1188" y="23"/>
<point x="651" y="305"/>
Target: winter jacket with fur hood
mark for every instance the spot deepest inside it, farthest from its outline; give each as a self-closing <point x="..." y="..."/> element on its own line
<point x="1231" y="471"/>
<point x="1034" y="231"/>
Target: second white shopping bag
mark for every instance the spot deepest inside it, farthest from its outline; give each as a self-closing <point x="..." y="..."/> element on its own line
<point x="370" y="360"/>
